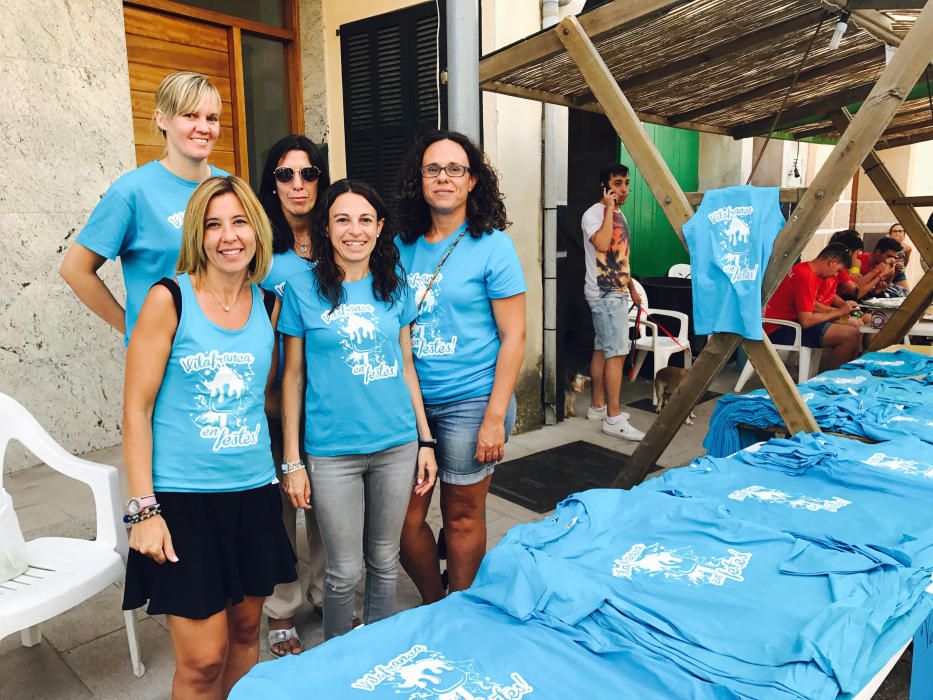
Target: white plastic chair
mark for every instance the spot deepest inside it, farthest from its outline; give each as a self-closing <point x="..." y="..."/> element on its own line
<point x="681" y="270"/>
<point x="808" y="362"/>
<point x="63" y="571"/>
<point x="650" y="338"/>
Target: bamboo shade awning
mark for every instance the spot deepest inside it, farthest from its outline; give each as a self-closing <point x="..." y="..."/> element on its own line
<point x="721" y="66"/>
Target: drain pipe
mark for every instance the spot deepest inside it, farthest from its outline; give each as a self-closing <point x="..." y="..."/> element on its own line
<point x="552" y="162"/>
<point x="463" y="67"/>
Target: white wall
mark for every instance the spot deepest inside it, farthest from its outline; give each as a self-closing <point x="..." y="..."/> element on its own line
<point x="66" y="133"/>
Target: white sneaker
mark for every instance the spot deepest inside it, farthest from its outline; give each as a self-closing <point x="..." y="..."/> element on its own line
<point x="623" y="429"/>
<point x="600" y="413"/>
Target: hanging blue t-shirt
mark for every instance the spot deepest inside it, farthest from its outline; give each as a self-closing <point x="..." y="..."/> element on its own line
<point x="662" y="559"/>
<point x="284" y="265"/>
<point x="139" y="219"/>
<point x="209" y="429"/>
<point x="730" y="239"/>
<point x="460" y="649"/>
<point x="455" y="338"/>
<point x="826" y="503"/>
<point x="356" y="399"/>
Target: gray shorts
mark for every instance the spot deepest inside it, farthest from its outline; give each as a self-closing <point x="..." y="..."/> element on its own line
<point x="610" y="321"/>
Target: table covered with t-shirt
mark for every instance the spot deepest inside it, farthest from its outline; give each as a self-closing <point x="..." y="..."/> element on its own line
<point x="796" y="569"/>
<point x="879" y="396"/>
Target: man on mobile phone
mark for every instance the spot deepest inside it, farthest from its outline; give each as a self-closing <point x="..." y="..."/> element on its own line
<point x="609" y="291"/>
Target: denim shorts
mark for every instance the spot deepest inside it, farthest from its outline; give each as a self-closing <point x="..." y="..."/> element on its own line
<point x="610" y="321"/>
<point x="455" y="426"/>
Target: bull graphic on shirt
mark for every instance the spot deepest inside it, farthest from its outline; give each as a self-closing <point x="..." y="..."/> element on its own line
<point x="428" y="335"/>
<point x="422" y="674"/>
<point x="735" y="242"/>
<point x="681" y="564"/>
<point x="797" y="501"/>
<point x="613" y="266"/>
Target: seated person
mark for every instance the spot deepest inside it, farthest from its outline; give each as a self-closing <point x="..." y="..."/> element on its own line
<point x="890" y="282"/>
<point x="898" y="233"/>
<point x="843" y="284"/>
<point x="796" y="299"/>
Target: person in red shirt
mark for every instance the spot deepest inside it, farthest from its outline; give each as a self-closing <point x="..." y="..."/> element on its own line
<point x="883" y="263"/>
<point x="796" y="299"/>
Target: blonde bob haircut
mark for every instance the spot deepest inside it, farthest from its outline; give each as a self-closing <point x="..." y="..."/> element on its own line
<point x="183" y="92"/>
<point x="192" y="258"/>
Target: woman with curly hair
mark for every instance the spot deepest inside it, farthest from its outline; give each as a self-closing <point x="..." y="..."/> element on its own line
<point x="346" y="323"/>
<point x="468" y="341"/>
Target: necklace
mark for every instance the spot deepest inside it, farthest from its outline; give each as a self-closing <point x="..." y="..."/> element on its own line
<point x="303" y="248"/>
<point x="226" y="307"/>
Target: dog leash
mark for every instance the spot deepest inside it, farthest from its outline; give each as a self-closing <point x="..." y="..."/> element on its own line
<point x="638" y="314"/>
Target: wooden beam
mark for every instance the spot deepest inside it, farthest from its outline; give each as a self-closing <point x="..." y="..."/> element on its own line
<point x="919" y="137"/>
<point x="238" y="93"/>
<point x="924" y="200"/>
<point x="780" y="386"/>
<point x="876" y="113"/>
<point x="625" y="121"/>
<point x="910" y="311"/>
<point x="731" y="47"/>
<point x="546" y="44"/>
<point x="788" y="194"/>
<point x="774" y="87"/>
<point x="888" y="188"/>
<point x="886" y="4"/>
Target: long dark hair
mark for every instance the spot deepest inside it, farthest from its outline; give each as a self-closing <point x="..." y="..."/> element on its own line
<point x="388" y="277"/>
<point x="485" y="209"/>
<point x="282" y="237"/>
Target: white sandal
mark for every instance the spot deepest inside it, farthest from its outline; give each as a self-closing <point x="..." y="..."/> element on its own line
<point x="280" y="637"/>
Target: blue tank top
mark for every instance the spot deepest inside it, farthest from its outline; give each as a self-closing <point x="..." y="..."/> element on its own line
<point x="209" y="429"/>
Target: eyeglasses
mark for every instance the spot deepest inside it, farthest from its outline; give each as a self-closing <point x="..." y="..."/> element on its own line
<point x="309" y="174"/>
<point x="452" y="170"/>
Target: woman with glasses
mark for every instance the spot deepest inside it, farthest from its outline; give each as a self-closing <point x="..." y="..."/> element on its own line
<point x="140" y="217"/>
<point x="207" y="542"/>
<point x="294" y="179"/>
<point x="346" y="323"/>
<point x="468" y="342"/>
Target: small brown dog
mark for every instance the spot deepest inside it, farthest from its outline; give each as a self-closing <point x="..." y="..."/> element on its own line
<point x="665" y="382"/>
<point x="576" y="384"/>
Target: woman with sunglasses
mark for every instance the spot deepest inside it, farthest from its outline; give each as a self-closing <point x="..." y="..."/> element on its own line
<point x="293" y="180"/>
<point x="207" y="542"/>
<point x="468" y="342"/>
<point x="140" y="217"/>
<point x="346" y="323"/>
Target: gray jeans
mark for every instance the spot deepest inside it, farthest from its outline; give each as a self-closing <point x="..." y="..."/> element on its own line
<point x="360" y="503"/>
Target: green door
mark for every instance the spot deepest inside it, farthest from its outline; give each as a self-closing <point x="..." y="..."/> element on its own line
<point x="655" y="245"/>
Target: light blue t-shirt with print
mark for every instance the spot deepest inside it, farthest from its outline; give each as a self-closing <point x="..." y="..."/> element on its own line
<point x="209" y="430"/>
<point x="730" y="240"/>
<point x="356" y="398"/>
<point x="284" y="265"/>
<point x="139" y="219"/>
<point x="455" y="339"/>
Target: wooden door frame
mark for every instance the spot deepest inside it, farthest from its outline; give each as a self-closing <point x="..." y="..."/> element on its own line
<point x="235" y="27"/>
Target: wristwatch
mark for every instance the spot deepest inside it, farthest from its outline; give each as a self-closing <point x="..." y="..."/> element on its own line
<point x="432" y="443"/>
<point x="136" y="504"/>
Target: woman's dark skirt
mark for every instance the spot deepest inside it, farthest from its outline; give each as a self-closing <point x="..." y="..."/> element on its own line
<point x="229" y="545"/>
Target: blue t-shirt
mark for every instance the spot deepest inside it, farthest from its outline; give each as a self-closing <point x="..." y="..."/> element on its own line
<point x="139" y="219"/>
<point x="640" y="565"/>
<point x="455" y="338"/>
<point x="209" y="430"/>
<point x="730" y="240"/>
<point x="902" y="363"/>
<point x="458" y="649"/>
<point x="284" y="265"/>
<point x="356" y="399"/>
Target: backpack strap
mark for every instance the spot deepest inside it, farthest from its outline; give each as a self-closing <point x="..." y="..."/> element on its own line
<point x="172" y="286"/>
<point x="268" y="300"/>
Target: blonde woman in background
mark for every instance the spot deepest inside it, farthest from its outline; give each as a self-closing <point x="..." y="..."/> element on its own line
<point x="139" y="218"/>
<point x="207" y="543"/>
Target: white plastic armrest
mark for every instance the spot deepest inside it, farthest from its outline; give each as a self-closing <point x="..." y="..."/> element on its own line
<point x="101" y="478"/>
<point x="680" y="316"/>
<point x="798" y="329"/>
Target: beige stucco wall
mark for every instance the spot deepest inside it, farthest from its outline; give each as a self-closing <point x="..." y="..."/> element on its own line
<point x="313" y="78"/>
<point x="66" y="133"/>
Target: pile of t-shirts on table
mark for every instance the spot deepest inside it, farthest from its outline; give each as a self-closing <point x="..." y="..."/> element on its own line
<point x="791" y="571"/>
<point x="880" y="396"/>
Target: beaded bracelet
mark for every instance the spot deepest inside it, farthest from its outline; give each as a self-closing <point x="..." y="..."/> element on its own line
<point x="289" y="467"/>
<point x="144" y="514"/>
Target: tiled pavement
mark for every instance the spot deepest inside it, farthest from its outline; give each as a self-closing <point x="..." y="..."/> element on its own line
<point x="84" y="651"/>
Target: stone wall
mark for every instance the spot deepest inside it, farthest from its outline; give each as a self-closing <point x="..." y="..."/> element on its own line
<point x="313" y="75"/>
<point x="66" y="133"/>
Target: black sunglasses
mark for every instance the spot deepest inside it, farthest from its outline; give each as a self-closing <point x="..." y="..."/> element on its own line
<point x="309" y="174"/>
